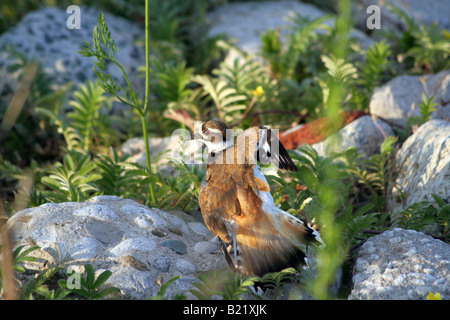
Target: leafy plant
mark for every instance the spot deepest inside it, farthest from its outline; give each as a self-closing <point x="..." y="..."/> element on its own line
<point x="274" y="281"/>
<point x="427" y="107"/>
<point x="225" y="283"/>
<point x="90" y="285"/>
<point x="373" y="173"/>
<point x="87" y="116"/>
<point x="375" y="64"/>
<point x="163" y="288"/>
<point x="22" y="256"/>
<point x="425" y="213"/>
<point x="104" y="49"/>
<point x="420" y="47"/>
<point x="36" y="288"/>
<point x="226" y="99"/>
<point x="71" y="180"/>
<point x="115" y="180"/>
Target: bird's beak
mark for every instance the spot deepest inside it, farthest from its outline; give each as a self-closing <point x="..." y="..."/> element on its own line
<point x="198" y="136"/>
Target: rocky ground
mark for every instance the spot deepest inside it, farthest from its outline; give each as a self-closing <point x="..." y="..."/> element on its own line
<point x="138" y="244"/>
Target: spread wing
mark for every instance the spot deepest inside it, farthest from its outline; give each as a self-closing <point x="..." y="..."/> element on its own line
<point x="257" y="237"/>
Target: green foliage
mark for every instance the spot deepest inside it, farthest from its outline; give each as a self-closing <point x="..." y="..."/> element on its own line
<point x="316" y="70"/>
<point x="372" y="73"/>
<point x="425" y="213"/>
<point x="315" y="174"/>
<point x="374" y="172"/>
<point x="87" y="116"/>
<point x="420" y="47"/>
<point x="376" y="62"/>
<point x="274" y="281"/>
<point x="227" y="101"/>
<point x="37" y="289"/>
<point x="163" y="287"/>
<point x="224" y="283"/>
<point x="115" y="180"/>
<point x="86" y="126"/>
<point x="45" y="284"/>
<point x="427" y="107"/>
<point x="71" y="180"/>
<point x="90" y="285"/>
<point x="22" y="256"/>
<point x="19" y="257"/>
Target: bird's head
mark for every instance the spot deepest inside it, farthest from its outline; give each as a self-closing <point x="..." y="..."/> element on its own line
<point x="216" y="135"/>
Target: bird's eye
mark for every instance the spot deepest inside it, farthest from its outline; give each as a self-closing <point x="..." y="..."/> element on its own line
<point x="206" y="132"/>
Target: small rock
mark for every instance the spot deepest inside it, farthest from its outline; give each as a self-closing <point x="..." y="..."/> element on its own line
<point x="132" y="245"/>
<point x="185" y="267"/>
<point x="176" y="245"/>
<point x="205" y="247"/>
<point x="162" y="263"/>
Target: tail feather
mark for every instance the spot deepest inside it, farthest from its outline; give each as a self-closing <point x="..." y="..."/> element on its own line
<point x="298" y="230"/>
<point x="271" y="246"/>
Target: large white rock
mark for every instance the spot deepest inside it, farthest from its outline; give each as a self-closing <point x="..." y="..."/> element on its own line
<point x="401" y="265"/>
<point x="108" y="232"/>
<point x="44" y="36"/>
<point x="423" y="166"/>
<point x="400" y="98"/>
<point x="365" y="134"/>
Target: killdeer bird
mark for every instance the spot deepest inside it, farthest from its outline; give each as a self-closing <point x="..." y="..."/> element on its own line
<point x="257" y="236"/>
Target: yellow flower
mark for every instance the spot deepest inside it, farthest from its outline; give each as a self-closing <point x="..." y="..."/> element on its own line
<point x="446" y="34"/>
<point x="434" y="296"/>
<point x="259" y="91"/>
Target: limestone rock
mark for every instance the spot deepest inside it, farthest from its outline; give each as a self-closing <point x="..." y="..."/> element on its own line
<point x="423" y="166"/>
<point x="108" y="232"/>
<point x="400" y="98"/>
<point x="401" y="265"/>
<point x="43" y="35"/>
<point x="365" y="134"/>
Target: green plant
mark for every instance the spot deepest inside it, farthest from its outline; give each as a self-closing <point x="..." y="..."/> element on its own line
<point x="420" y="47"/>
<point x="375" y="64"/>
<point x="24" y="137"/>
<point x="87" y="116"/>
<point x="22" y="256"/>
<point x="37" y="289"/>
<point x="71" y="180"/>
<point x="18" y="257"/>
<point x="427" y="106"/>
<point x="163" y="287"/>
<point x="224" y="283"/>
<point x="227" y="101"/>
<point x="297" y="61"/>
<point x="425" y="213"/>
<point x="374" y="172"/>
<point x="90" y="285"/>
<point x="115" y="180"/>
<point x="104" y="49"/>
<point x="274" y="281"/>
